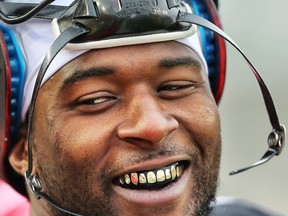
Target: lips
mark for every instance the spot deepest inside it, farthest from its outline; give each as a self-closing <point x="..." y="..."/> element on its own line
<point x="151" y="179"/>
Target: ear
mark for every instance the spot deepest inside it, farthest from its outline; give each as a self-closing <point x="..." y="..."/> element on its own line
<point x="18" y="157"/>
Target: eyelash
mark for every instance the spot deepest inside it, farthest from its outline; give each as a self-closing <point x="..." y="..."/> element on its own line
<point x="94" y="103"/>
<point x="175" y="87"/>
<point x="91" y="101"/>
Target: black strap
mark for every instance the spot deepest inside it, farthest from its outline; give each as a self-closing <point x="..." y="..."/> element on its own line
<point x="191" y="18"/>
<point x="275" y="145"/>
<point x="71" y="33"/>
<point x="51" y="202"/>
<point x="269" y="154"/>
<point x="13" y="13"/>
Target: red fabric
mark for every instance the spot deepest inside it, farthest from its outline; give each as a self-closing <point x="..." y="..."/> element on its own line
<point x="11" y="202"/>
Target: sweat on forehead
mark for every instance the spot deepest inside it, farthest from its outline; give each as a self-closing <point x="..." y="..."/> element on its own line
<point x="37" y="37"/>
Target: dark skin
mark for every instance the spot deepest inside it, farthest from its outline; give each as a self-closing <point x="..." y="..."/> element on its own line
<point x="122" y="110"/>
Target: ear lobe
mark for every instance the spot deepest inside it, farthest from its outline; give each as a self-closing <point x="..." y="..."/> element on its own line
<point x="18" y="157"/>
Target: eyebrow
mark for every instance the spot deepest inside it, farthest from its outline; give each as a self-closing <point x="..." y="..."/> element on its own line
<point x="79" y="75"/>
<point x="182" y="61"/>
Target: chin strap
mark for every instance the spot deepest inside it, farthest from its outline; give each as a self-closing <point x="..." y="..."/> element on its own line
<point x="33" y="181"/>
<point x="276" y="139"/>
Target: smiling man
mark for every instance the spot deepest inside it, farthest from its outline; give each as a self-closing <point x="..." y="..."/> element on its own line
<point x="123" y="134"/>
<point x="122" y="120"/>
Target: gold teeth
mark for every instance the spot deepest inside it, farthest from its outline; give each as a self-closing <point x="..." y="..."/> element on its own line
<point x="160" y="176"/>
<point x="151" y="177"/>
<point x="167" y="173"/>
<point x="121" y="180"/>
<point x="127" y="179"/>
<point x="173" y="172"/>
<point x="142" y="178"/>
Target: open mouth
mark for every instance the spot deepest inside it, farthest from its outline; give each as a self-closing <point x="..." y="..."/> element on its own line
<point x="152" y="179"/>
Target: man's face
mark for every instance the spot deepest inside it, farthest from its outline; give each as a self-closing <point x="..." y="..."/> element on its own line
<point x="129" y="131"/>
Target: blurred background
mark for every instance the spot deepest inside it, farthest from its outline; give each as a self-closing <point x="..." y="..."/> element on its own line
<point x="260" y="28"/>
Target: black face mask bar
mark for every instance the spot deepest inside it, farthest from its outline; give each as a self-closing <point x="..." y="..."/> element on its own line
<point x="82" y="22"/>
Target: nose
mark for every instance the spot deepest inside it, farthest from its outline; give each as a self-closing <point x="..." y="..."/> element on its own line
<point x="145" y="122"/>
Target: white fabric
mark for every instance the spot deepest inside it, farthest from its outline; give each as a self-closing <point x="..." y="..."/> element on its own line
<point x="37" y="37"/>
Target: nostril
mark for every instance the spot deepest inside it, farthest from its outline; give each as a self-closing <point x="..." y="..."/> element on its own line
<point x="147" y="131"/>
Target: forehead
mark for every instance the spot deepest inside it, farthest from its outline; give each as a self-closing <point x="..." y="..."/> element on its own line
<point x="131" y="58"/>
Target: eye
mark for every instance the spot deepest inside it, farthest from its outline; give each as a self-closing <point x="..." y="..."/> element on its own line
<point x="95" y="102"/>
<point x="176" y="89"/>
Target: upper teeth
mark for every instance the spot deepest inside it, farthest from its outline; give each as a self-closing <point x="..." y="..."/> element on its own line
<point x="153" y="176"/>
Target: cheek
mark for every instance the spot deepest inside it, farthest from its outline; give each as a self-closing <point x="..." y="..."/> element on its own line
<point x="203" y="123"/>
<point x="201" y="120"/>
<point x="43" y="132"/>
<point x="84" y="139"/>
<point x="43" y="127"/>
